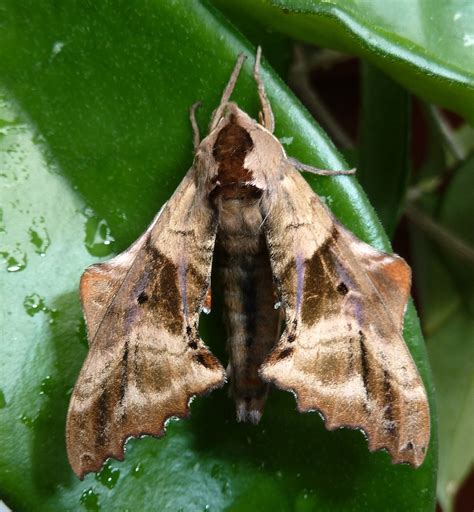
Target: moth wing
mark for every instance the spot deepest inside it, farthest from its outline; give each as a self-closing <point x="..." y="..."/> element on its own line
<point x="146" y="359"/>
<point x="342" y="352"/>
<point x="100" y="282"/>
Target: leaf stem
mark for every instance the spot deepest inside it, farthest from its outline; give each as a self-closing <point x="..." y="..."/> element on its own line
<point x="299" y="82"/>
<point x="439" y="233"/>
<point x="452" y="144"/>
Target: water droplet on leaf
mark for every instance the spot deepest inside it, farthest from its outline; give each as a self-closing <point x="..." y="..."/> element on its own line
<point x="33" y="304"/>
<point x="15" y="262"/>
<point x="90" y="500"/>
<point x="28" y="420"/>
<point x="108" y="476"/>
<point x="138" y="470"/>
<point x="99" y="239"/>
<point x="47" y="386"/>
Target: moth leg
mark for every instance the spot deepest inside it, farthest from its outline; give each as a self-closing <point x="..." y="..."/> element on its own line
<point x="267" y="116"/>
<point x="314" y="170"/>
<point x="194" y="125"/>
<point x="227" y="92"/>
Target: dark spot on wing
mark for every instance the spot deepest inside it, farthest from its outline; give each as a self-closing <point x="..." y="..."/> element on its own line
<point x="142" y="298"/>
<point x="342" y="288"/>
<point x="285" y="353"/>
<point x="206" y="359"/>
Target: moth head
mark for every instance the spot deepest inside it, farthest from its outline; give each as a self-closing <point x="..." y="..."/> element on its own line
<point x="239" y="151"/>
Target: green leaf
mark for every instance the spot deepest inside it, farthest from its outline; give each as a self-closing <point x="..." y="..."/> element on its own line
<point x="95" y="136"/>
<point x="383" y="167"/>
<point x="424" y="45"/>
<point x="454" y="373"/>
<point x="446" y="285"/>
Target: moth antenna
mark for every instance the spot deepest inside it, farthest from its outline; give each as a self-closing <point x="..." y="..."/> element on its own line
<point x="321" y="172"/>
<point x="194" y="125"/>
<point x="268" y="118"/>
<point x="227" y="91"/>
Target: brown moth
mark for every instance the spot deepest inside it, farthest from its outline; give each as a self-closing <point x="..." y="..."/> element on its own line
<point x="285" y="264"/>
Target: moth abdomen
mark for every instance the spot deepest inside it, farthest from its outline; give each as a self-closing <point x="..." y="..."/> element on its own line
<point x="243" y="266"/>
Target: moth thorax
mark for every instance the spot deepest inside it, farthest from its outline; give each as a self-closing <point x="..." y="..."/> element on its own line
<point x="233" y="180"/>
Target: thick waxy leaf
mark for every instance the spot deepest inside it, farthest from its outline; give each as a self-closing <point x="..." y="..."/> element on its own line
<point x="95" y="136"/>
<point x="424" y="45"/>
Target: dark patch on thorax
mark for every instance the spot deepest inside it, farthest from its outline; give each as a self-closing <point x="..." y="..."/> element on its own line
<point x="230" y="149"/>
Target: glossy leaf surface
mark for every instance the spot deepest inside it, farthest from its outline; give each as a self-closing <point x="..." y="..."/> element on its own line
<point x="425" y="45"/>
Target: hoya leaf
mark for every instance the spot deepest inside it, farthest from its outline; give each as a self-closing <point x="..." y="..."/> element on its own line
<point x="424" y="45"/>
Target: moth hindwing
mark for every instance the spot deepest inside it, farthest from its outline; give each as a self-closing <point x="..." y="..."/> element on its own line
<point x="308" y="306"/>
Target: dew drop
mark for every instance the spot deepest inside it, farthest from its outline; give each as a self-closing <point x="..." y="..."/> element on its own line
<point x="286" y="141"/>
<point x="99" y="239"/>
<point x="90" y="500"/>
<point x="47" y="386"/>
<point x="15" y="262"/>
<point x="138" y="470"/>
<point x="28" y="420"/>
<point x="33" y="304"/>
<point x="108" y="476"/>
<point x="57" y="47"/>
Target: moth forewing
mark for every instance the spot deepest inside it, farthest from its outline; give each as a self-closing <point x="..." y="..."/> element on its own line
<point x="342" y="352"/>
<point x="146" y="359"/>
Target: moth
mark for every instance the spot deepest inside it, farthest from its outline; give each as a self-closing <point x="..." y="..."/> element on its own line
<point x="309" y="308"/>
